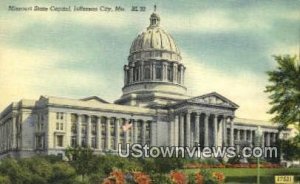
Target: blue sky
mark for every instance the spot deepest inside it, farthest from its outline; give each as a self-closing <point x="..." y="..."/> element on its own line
<point x="227" y="46"/>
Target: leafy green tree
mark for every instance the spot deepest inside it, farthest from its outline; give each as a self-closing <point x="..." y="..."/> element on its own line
<point x="10" y="167"/>
<point x="83" y="160"/>
<point x="62" y="173"/>
<point x="291" y="148"/>
<point x="285" y="91"/>
<point x="40" y="169"/>
<point x="4" y="180"/>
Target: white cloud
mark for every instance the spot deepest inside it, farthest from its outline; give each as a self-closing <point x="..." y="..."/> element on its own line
<point x="29" y="74"/>
<point x="245" y="89"/>
<point x="214" y="20"/>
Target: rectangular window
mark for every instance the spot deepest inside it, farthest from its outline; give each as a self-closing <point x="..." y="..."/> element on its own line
<point x="93" y="142"/>
<point x="59" y="115"/>
<point x="158" y="72"/>
<point x="170" y="74"/>
<point x="147" y="72"/>
<point x="73" y="141"/>
<point x="74" y="128"/>
<point x="103" y="143"/>
<point x="60" y="140"/>
<point x="83" y="142"/>
<point x="61" y="126"/>
<point x="83" y="129"/>
<point x="94" y="128"/>
<point x="112" y="127"/>
<point x="57" y="126"/>
<point x="39" y="142"/>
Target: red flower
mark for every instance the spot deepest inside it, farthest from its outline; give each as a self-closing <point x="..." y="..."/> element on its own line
<point x="115" y="177"/>
<point x="141" y="178"/>
<point x="178" y="177"/>
<point x="220" y="177"/>
<point x="199" y="179"/>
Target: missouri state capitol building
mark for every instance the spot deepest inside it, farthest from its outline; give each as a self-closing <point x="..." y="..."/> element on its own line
<point x="154" y="101"/>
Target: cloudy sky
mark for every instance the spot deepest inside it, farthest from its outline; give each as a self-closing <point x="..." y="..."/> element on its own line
<point x="227" y="47"/>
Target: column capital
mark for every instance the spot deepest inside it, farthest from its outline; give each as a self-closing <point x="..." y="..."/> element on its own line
<point x="197" y="114"/>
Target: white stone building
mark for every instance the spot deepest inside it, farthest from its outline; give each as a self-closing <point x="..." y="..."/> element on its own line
<point x="154" y="100"/>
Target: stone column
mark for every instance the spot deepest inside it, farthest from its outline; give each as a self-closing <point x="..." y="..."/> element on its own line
<point x="171" y="132"/>
<point x="181" y="74"/>
<point x="251" y="138"/>
<point x="143" y="132"/>
<point x="117" y="133"/>
<point x="274" y="138"/>
<point x="206" y="119"/>
<point x="130" y="73"/>
<point x="142" y="70"/>
<point x="125" y="75"/>
<point x="176" y="134"/>
<point x="175" y="72"/>
<point x="231" y="133"/>
<point x="14" y="132"/>
<point x="126" y="132"/>
<point x="107" y="138"/>
<point x="268" y="139"/>
<point x="79" y="130"/>
<point x="238" y="133"/>
<point x="89" y="122"/>
<point x="197" y="128"/>
<point x="153" y="133"/>
<point x="224" y="132"/>
<point x="263" y="139"/>
<point x="140" y="73"/>
<point x="188" y="129"/>
<point x="153" y="72"/>
<point x="164" y="71"/>
<point x="134" y="131"/>
<point x="245" y="135"/>
<point x="99" y="133"/>
<point x="215" y="130"/>
<point x="181" y="130"/>
<point x="68" y="130"/>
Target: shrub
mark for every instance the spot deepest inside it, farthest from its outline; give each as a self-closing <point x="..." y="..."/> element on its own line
<point x="160" y="178"/>
<point x="4" y="180"/>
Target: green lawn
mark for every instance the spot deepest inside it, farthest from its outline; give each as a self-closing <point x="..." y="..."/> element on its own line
<point x="248" y="175"/>
<point x="252" y="171"/>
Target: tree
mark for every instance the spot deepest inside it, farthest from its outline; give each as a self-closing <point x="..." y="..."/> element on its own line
<point x="285" y="91"/>
<point x="62" y="173"/>
<point x="82" y="159"/>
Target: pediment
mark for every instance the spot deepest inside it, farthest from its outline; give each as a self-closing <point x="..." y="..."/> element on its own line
<point x="213" y="99"/>
<point x="94" y="99"/>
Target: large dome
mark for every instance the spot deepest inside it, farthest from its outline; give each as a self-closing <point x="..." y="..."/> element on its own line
<point x="154" y="75"/>
<point x="154" y="43"/>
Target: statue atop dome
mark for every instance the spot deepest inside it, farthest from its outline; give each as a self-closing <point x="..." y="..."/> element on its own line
<point x="154" y="19"/>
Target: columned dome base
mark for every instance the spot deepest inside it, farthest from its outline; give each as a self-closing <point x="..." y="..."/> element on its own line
<point x="150" y="99"/>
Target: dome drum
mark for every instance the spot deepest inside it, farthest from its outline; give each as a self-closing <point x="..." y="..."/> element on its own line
<point x="161" y="71"/>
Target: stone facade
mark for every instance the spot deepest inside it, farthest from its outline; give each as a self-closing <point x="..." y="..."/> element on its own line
<point x="154" y="103"/>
